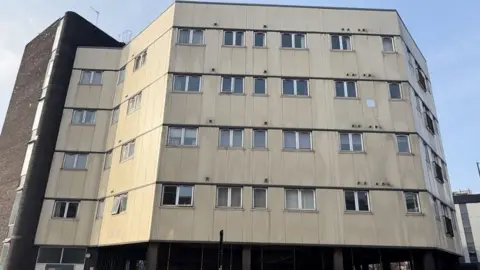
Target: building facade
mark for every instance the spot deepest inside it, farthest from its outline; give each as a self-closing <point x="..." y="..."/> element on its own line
<point x="467" y="206"/>
<point x="307" y="135"/>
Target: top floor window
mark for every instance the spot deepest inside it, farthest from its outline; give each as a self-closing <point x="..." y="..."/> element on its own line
<point x="186" y="83"/>
<point x="91" y="77"/>
<point x="388" y="45"/>
<point x="190" y="36"/>
<point x="259" y="39"/>
<point x="293" y="40"/>
<point x="233" y="38"/>
<point x="421" y="78"/>
<point x="341" y="42"/>
<point x="140" y="60"/>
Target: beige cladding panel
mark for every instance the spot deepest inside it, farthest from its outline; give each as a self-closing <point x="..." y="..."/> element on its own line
<point x="97" y="58"/>
<point x="91" y="96"/>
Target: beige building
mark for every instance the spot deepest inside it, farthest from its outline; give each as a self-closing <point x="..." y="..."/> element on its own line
<point x="308" y="135"/>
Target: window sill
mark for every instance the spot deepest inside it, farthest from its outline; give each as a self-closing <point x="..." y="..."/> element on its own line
<point x="405" y="154"/>
<point x="297" y="150"/>
<point x="352" y="152"/>
<point x="82" y="125"/>
<point x="396" y="99"/>
<point x="414" y="214"/>
<point x="259" y="47"/>
<point x="260" y="209"/>
<point x="232" y="94"/>
<point x="231" y="148"/>
<point x="347" y="98"/>
<point x="295" y="96"/>
<point x="187" y="92"/>
<point x="260" y="95"/>
<point x="187" y="207"/>
<point x="64" y="219"/>
<point x="182" y="146"/>
<point x="74" y="169"/>
<point x="190" y="45"/>
<point x="90" y="84"/>
<point x="229" y="208"/>
<point x="339" y="50"/>
<point x="234" y="46"/>
<point x="260" y="149"/>
<point x="358" y="212"/>
<point x="300" y="211"/>
<point x="294" y="49"/>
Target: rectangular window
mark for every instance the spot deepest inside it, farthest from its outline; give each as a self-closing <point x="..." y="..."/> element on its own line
<point x="128" y="151"/>
<point x="119" y="204"/>
<point x="341" y="42"/>
<point x="435" y="206"/>
<point x="121" y="75"/>
<point x="190" y="36"/>
<point x="294" y="87"/>
<point x="357" y="200"/>
<point x="351" y="142"/>
<point x="438" y="171"/>
<point x="395" y="92"/>
<point x="83" y="117"/>
<point x="300" y="199"/>
<point x="232" y="85"/>
<point x="429" y="121"/>
<point x="260" y="198"/>
<point x="233" y="38"/>
<point x="412" y="202"/>
<point x="4" y="254"/>
<point x="293" y="40"/>
<point x="182" y="136"/>
<point x="346" y="89"/>
<point x="231" y="138"/>
<point x="65" y="209"/>
<point x="115" y="114"/>
<point x="388" y="45"/>
<point x="100" y="207"/>
<point x="75" y="161"/>
<point x="229" y="197"/>
<point x="260" y="86"/>
<point x="297" y="139"/>
<point x="259" y="139"/>
<point x="421" y="78"/>
<point x="177" y="195"/>
<point x="419" y="103"/>
<point x="259" y="39"/>
<point x="186" y="83"/>
<point x="56" y="255"/>
<point x="134" y="103"/>
<point x="140" y="60"/>
<point x="91" y="77"/>
<point x="108" y="160"/>
<point x="403" y="143"/>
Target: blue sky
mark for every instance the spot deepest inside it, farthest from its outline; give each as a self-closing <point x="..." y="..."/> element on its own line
<point x="446" y="32"/>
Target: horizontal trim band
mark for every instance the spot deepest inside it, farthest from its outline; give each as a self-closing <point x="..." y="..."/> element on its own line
<point x="85" y="108"/>
<point x="69" y="199"/>
<point x="96" y="69"/>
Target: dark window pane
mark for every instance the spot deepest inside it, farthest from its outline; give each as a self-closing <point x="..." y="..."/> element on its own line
<point x="49" y="255"/>
<point x="72" y="210"/>
<point x="402" y="142"/>
<point x="286" y="41"/>
<point x="345" y="142"/>
<point x="179" y="83"/>
<point x="289" y="140"/>
<point x="346" y="42"/>
<point x="349" y="200"/>
<point x="259" y="40"/>
<point x="357" y="142"/>
<point x="239" y="38"/>
<point x="73" y="255"/>
<point x="184" y="36"/>
<point x="387" y="44"/>
<point x="238" y="87"/>
<point x="363" y="201"/>
<point x="351" y="92"/>
<point x="302" y="88"/>
<point x="236" y="197"/>
<point x="185" y="195"/>
<point x="225" y="137"/>
<point x="194" y="84"/>
<point x="395" y="91"/>
<point x="169" y="195"/>
<point x="288" y="87"/>
<point x="259" y="86"/>
<point x="304" y="140"/>
<point x="339" y="89"/>
<point x="237" y="140"/>
<point x="228" y="39"/>
<point x="299" y="41"/>
<point x="336" y="42"/>
<point x="222" y="197"/>
<point x="59" y="210"/>
<point x="259" y="198"/>
<point x="227" y="84"/>
<point x="197" y="37"/>
<point x="259" y="139"/>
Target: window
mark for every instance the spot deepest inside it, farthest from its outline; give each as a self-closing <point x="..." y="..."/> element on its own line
<point x="259" y="198"/>
<point x="115" y="114"/>
<point x="260" y="86"/>
<point x="231" y="137"/>
<point x="429" y="121"/>
<point x="345" y="89"/>
<point x="395" y="92"/>
<point x="412" y="202"/>
<point x="297" y="140"/>
<point x="229" y="197"/>
<point x="259" y="39"/>
<point x="121" y="75"/>
<point x="356" y="200"/>
<point x="65" y="209"/>
<point x="232" y="85"/>
<point x="75" y="161"/>
<point x="419" y="103"/>
<point x="190" y="36"/>
<point x="185" y="83"/>
<point x="177" y="195"/>
<point x="341" y="43"/>
<point x="4" y="254"/>
<point x="421" y="78"/>
<point x="435" y="206"/>
<point x="351" y="142"/>
<point x="83" y="117"/>
<point x="233" y="38"/>
<point x="388" y="45"/>
<point x="91" y="77"/>
<point x="403" y="144"/>
<point x="259" y="139"/>
<point x="108" y="160"/>
<point x="447" y="219"/>
<point x="182" y="136"/>
<point x="293" y="40"/>
<point x="140" y="60"/>
<point x="119" y="204"/>
<point x="300" y="199"/>
<point x="134" y="103"/>
<point x="100" y="207"/>
<point x="128" y="151"/>
<point x="61" y="255"/>
<point x="438" y="170"/>
<point x="294" y="87"/>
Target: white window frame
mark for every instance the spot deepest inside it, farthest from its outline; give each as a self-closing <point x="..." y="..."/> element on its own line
<point x="408" y="143"/>
<point x="230" y="143"/>
<point x="340" y="40"/>
<point x="417" y="198"/>
<point x="118" y="200"/>
<point x="265" y="84"/>
<point x="265" y="139"/>
<point x="299" y="198"/>
<point x="75" y="162"/>
<point x="264" y="39"/>
<point x="187" y="81"/>
<point x="115" y="112"/>
<point x="391" y="40"/>
<point x="125" y="151"/>
<point x="292" y="38"/>
<point x="355" y="195"/>
<point x="177" y="195"/>
<point x="64" y="214"/>
<point x="350" y="141"/>
<point x="84" y="115"/>
<point x="297" y="139"/>
<point x="295" y="82"/>
<point x="182" y="136"/>
<point x="91" y="74"/>
<point x="139" y="60"/>
<point x="121" y="75"/>
<point x="134" y="103"/>
<point x="229" y="197"/>
<point x="100" y="209"/>
<point x="253" y="197"/>
<point x="232" y="85"/>
<point x="234" y="39"/>
<point x="345" y="89"/>
<point x="399" y="90"/>
<point x="190" y="36"/>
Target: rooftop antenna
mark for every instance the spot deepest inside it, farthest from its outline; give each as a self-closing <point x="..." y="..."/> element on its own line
<point x="98" y="14"/>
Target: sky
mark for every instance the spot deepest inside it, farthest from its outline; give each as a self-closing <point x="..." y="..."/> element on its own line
<point x="446" y="32"/>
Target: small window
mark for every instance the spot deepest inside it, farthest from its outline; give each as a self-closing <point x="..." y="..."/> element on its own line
<point x="346" y="89"/>
<point x="259" y="39"/>
<point x="403" y="144"/>
<point x="233" y="38"/>
<point x="297" y="140"/>
<point x="73" y="255"/>
<point x="351" y="142"/>
<point x="229" y="197"/>
<point x="177" y="195"/>
<point x="128" y="151"/>
<point x="259" y="86"/>
<point x="429" y="121"/>
<point x="83" y="117"/>
<point x="75" y="161"/>
<point x="100" y="207"/>
<point x="108" y="160"/>
<point x="438" y="171"/>
<point x="119" y="204"/>
<point x="182" y="136"/>
<point x="115" y="114"/>
<point x="121" y="75"/>
<point x="134" y="103"/>
<point x="186" y="83"/>
<point x="65" y="209"/>
<point x="140" y="60"/>
<point x="91" y="77"/>
<point x="357" y="201"/>
<point x="421" y="78"/>
<point x="190" y="36"/>
<point x="395" y="92"/>
<point x="294" y="87"/>
<point x="260" y="198"/>
<point x="49" y="255"/>
<point x="300" y="199"/>
<point x="388" y="45"/>
<point x="231" y="138"/>
<point x="232" y="85"/>
<point x="259" y="139"/>
<point x="435" y="206"/>
<point x="4" y="253"/>
<point x="419" y="103"/>
<point x="293" y="40"/>
<point x="412" y="202"/>
<point x="341" y="43"/>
